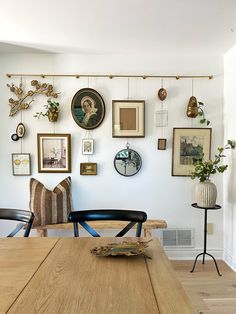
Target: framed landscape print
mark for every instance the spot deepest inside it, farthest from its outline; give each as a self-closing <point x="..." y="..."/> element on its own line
<point x="189" y="144"/>
<point x="54" y="152"/>
<point x="88" y="108"/>
<point x="87" y="147"/>
<point x="21" y="164"/>
<point x="128" y="118"/>
<point x="88" y="168"/>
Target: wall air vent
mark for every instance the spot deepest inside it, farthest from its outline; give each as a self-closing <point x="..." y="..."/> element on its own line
<point x="177" y="237"/>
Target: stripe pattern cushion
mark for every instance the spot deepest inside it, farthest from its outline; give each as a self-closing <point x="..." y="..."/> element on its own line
<point x="50" y="207"/>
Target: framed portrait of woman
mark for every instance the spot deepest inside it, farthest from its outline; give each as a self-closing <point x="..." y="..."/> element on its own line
<point x="88" y="108"/>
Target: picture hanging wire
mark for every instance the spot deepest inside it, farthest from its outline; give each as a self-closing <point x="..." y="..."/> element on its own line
<point x="54" y="123"/>
<point x="21" y="121"/>
<point x="192" y="95"/>
<point x="162" y="111"/>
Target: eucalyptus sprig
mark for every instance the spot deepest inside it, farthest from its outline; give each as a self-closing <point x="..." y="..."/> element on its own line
<point x="203" y="169"/>
<point x="201" y="114"/>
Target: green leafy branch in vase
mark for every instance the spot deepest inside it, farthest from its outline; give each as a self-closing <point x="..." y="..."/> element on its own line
<point x="201" y="114"/>
<point x="204" y="168"/>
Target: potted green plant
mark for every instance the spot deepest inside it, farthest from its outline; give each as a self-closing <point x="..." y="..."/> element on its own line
<point x="206" y="191"/>
<point x="52" y="111"/>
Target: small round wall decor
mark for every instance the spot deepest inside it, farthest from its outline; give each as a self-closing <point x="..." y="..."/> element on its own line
<point x="88" y="108"/>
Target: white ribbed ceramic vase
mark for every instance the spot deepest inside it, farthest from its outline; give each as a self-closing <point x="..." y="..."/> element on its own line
<point x="205" y="194"/>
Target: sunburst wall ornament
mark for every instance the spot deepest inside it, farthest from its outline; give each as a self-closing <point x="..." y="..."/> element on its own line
<point x="24" y="99"/>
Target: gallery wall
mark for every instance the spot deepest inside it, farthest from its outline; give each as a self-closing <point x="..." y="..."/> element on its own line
<point x="229" y="178"/>
<point x="153" y="189"/>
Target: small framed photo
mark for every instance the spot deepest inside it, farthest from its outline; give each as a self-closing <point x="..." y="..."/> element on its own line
<point x="88" y="168"/>
<point x="87" y="147"/>
<point x="54" y="152"/>
<point x="128" y="118"/>
<point x="21" y="164"/>
<point x="189" y="145"/>
<point x="161" y="144"/>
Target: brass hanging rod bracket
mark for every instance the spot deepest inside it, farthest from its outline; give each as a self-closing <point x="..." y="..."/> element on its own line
<point x="111" y="76"/>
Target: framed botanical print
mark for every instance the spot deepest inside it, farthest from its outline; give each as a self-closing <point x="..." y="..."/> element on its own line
<point x="189" y="146"/>
<point x="21" y="164"/>
<point x="87" y="146"/>
<point x="88" y="168"/>
<point x="128" y="118"/>
<point x="54" y="152"/>
<point x="88" y="108"/>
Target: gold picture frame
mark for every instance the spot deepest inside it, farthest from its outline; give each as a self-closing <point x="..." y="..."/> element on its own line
<point x="54" y="152"/>
<point x="88" y="168"/>
<point x="188" y="146"/>
<point x="128" y="118"/>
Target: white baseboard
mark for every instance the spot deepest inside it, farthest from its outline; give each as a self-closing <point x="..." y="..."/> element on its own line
<point x="229" y="260"/>
<point x="191" y="253"/>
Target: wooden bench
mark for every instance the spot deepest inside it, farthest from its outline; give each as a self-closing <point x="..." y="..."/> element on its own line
<point x="148" y="225"/>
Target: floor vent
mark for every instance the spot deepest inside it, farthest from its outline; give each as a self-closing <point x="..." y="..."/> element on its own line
<point x="177" y="237"/>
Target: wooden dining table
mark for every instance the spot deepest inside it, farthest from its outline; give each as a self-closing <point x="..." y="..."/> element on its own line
<point x="60" y="275"/>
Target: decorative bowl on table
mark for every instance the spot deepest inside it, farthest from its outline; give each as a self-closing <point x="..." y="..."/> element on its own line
<point x="121" y="249"/>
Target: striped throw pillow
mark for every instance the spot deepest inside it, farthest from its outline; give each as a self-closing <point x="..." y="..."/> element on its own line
<point x="50" y="207"/>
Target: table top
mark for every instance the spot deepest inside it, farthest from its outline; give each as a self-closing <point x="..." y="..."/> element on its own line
<point x="60" y="275"/>
<point x="210" y="208"/>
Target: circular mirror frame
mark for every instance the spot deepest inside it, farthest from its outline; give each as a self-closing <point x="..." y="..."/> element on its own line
<point x="140" y="162"/>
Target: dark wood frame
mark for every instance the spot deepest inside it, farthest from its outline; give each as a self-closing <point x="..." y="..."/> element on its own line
<point x="68" y="152"/>
<point x="173" y="172"/>
<point x="86" y="173"/>
<point x="13" y="167"/>
<point x="142" y="104"/>
<point x="92" y="93"/>
<point x="159" y="146"/>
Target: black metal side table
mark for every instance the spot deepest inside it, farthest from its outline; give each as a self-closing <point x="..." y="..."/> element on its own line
<point x="205" y="237"/>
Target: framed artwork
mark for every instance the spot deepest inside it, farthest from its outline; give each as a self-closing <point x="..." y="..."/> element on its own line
<point x="54" y="152"/>
<point x="88" y="108"/>
<point x="161" y="144"/>
<point x="88" y="168"/>
<point x="87" y="147"/>
<point x="161" y="118"/>
<point x="189" y="144"/>
<point x="21" y="164"/>
<point x="128" y="118"/>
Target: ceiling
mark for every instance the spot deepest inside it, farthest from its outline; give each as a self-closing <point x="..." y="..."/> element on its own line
<point x="162" y="27"/>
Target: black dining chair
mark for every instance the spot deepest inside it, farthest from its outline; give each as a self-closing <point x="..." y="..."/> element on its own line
<point x="26" y="217"/>
<point x="131" y="216"/>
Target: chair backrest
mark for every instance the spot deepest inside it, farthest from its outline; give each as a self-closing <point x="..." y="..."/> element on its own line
<point x="18" y="215"/>
<point x="133" y="216"/>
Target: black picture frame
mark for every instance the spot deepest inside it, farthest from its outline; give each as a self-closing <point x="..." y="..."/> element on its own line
<point x="90" y="100"/>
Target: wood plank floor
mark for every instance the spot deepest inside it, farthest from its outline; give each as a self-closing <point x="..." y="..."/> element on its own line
<point x="208" y="292"/>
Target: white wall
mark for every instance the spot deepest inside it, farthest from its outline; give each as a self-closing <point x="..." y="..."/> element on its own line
<point x="230" y="178"/>
<point x="153" y="189"/>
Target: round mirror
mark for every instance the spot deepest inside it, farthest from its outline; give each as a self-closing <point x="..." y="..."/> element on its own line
<point x="127" y="162"/>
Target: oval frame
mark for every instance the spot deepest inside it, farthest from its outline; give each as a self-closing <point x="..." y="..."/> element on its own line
<point x="95" y="101"/>
<point x="130" y="151"/>
<point x="20" y="130"/>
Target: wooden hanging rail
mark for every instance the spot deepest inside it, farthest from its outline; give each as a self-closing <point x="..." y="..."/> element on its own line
<point x="111" y="76"/>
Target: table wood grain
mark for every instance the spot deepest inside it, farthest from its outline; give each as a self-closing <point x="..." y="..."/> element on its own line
<point x="72" y="280"/>
<point x="19" y="260"/>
